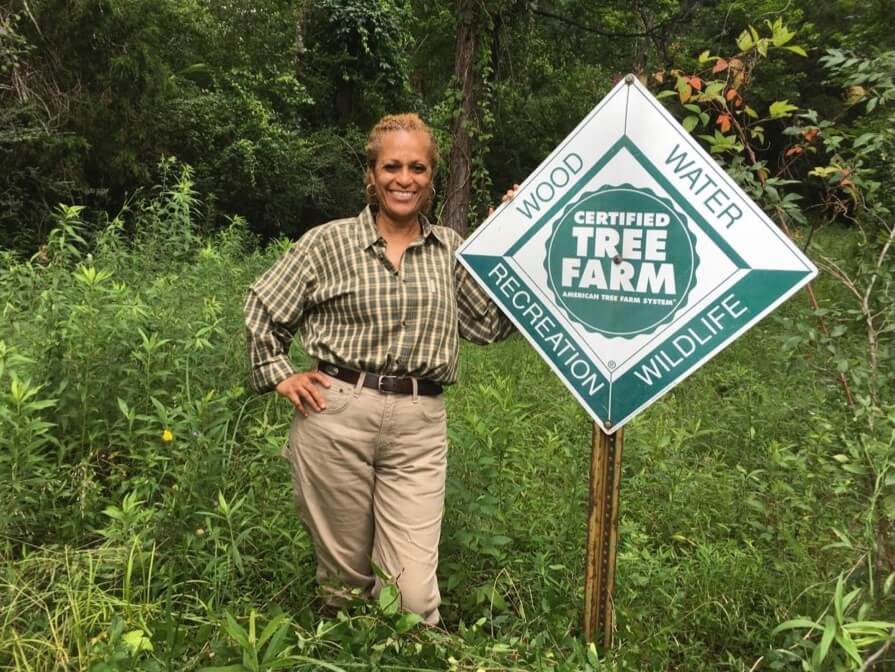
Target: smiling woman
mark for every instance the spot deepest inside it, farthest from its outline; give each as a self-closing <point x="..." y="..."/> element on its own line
<point x="401" y="158"/>
<point x="381" y="302"/>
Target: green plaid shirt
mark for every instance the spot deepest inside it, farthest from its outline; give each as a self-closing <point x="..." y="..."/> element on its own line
<point x="338" y="291"/>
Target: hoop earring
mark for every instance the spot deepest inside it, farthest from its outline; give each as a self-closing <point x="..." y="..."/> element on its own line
<point x="432" y="187"/>
<point x="371" y="191"/>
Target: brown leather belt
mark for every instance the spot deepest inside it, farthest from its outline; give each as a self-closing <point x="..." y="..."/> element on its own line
<point x="382" y="384"/>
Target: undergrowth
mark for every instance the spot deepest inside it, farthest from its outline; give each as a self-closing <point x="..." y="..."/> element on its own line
<point x="146" y="518"/>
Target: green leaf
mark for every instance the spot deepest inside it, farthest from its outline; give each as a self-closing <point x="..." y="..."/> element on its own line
<point x="271" y="628"/>
<point x="837" y="600"/>
<point x="870" y="627"/>
<point x="690" y="122"/>
<point x="825" y="640"/>
<point x="848" y="599"/>
<point x="780" y="34"/>
<point x="136" y="641"/>
<point x="236" y="631"/>
<point x="713" y="90"/>
<point x="276" y="644"/>
<point x="781" y="108"/>
<point x="704" y="56"/>
<point x="380" y="573"/>
<point x="389" y="599"/>
<point x="123" y="407"/>
<point x="848" y="645"/>
<point x="667" y="93"/>
<point x="864" y="138"/>
<point x="795" y="624"/>
<point x="744" y="41"/>
<point x="407" y="622"/>
<point x="592" y="656"/>
<point x="797" y="50"/>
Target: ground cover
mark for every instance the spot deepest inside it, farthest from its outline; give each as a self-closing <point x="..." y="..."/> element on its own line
<point x="146" y="519"/>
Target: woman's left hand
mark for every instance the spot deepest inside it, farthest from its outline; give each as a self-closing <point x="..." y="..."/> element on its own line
<point x="506" y="197"/>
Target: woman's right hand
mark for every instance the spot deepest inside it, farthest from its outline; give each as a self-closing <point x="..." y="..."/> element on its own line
<point x="302" y="389"/>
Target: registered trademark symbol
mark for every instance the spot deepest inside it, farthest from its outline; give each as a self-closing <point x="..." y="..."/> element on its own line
<point x="611" y="364"/>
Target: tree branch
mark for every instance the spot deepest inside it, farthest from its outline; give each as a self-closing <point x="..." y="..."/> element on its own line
<point x="588" y="29"/>
<point x="651" y="32"/>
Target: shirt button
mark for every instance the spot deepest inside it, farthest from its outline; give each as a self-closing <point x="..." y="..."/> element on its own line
<point x="403" y="323"/>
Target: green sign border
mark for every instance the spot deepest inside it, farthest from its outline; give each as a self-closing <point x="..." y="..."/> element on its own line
<point x="627" y="395"/>
<point x="626" y="143"/>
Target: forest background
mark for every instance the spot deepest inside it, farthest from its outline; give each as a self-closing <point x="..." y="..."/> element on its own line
<point x="156" y="156"/>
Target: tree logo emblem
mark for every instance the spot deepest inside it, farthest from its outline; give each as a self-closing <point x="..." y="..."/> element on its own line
<point x="621" y="260"/>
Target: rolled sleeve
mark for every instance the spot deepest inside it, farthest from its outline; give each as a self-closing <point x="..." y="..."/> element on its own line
<point x="268" y="346"/>
<point x="273" y="307"/>
<point x="481" y="320"/>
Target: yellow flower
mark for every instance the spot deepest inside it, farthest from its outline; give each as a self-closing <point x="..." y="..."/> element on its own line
<point x="167" y="436"/>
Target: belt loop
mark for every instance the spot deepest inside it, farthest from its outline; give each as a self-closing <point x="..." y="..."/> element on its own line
<point x="358" y="386"/>
<point x="415" y="387"/>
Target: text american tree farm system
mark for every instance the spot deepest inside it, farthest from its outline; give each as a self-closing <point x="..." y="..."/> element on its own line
<point x="629" y="258"/>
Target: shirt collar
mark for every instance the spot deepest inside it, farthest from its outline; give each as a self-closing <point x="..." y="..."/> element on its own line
<point x="368" y="234"/>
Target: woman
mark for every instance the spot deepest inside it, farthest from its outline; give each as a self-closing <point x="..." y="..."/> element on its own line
<point x="379" y="301"/>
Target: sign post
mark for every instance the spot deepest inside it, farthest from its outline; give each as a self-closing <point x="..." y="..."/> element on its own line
<point x="628" y="259"/>
<point x="602" y="534"/>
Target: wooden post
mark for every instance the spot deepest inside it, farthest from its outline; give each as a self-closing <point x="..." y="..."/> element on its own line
<point x="602" y="534"/>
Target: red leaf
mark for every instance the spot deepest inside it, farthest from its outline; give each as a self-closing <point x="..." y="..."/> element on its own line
<point x="810" y="134"/>
<point x="723" y="121"/>
<point x="731" y="94"/>
<point x="720" y="66"/>
<point x="695" y="82"/>
<point x="794" y="150"/>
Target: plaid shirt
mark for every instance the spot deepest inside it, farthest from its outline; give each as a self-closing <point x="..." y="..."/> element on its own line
<point x="351" y="306"/>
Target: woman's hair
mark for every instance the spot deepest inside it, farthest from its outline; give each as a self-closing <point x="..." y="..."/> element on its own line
<point x="397" y="122"/>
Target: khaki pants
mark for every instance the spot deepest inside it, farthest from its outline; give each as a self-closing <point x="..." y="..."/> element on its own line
<point x="368" y="474"/>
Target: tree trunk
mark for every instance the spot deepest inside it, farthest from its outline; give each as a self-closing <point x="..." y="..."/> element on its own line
<point x="459" y="187"/>
<point x="299" y="46"/>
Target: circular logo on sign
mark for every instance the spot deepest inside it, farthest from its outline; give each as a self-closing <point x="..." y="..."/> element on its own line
<point x="621" y="260"/>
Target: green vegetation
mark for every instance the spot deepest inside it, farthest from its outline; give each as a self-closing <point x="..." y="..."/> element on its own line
<point x="146" y="518"/>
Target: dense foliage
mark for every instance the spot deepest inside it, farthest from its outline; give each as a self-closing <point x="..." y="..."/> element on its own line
<point x="145" y="517"/>
<point x="269" y="101"/>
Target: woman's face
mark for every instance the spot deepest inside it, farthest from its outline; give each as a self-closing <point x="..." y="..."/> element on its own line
<point x="402" y="175"/>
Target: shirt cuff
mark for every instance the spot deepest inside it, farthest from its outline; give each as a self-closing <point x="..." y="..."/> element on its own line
<point x="265" y="377"/>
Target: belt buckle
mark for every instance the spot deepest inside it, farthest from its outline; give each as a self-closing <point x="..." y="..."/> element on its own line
<point x="379" y="385"/>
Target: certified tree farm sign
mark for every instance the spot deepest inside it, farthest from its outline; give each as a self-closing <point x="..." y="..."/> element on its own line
<point x="628" y="258"/>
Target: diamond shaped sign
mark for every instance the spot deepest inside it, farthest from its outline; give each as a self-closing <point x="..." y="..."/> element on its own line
<point x="629" y="258"/>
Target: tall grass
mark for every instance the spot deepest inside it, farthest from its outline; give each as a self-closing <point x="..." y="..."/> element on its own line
<point x="146" y="519"/>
